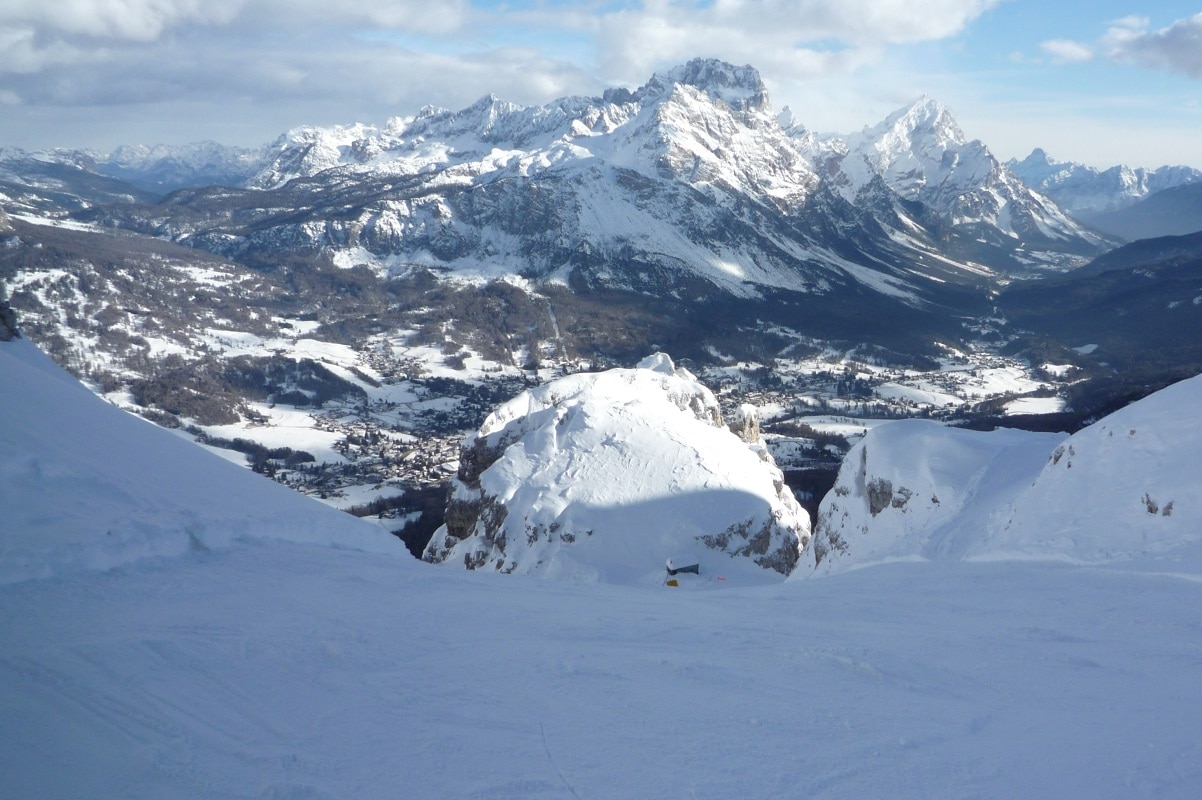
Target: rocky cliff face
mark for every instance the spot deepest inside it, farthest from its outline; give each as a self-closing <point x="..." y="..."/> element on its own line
<point x="604" y="477"/>
<point x="8" y="322"/>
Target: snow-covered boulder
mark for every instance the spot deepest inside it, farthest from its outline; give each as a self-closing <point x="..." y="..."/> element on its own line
<point x="1124" y="487"/>
<point x="916" y="489"/>
<point x="606" y="476"/>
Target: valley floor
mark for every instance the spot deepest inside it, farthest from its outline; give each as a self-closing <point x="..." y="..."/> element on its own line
<point x="277" y="670"/>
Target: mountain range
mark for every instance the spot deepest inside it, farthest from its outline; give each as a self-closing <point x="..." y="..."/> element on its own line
<point x="341" y="305"/>
<point x="1121" y="201"/>
<point x="688" y="187"/>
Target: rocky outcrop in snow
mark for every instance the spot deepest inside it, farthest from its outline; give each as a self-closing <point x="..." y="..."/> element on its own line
<point x="603" y="477"/>
<point x="919" y="489"/>
<point x="1123" y="487"/>
<point x="8" y="322"/>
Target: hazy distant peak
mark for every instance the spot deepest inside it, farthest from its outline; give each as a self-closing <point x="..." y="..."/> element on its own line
<point x="1040" y="156"/>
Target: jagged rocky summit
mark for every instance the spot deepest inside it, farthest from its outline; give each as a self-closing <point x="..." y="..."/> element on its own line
<point x="605" y="476"/>
<point x="922" y="154"/>
<point x="1120" y="489"/>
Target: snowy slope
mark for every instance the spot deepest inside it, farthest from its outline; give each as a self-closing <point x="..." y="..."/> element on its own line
<point x="279" y="669"/>
<point x="1123" y="488"/>
<point x="86" y="486"/>
<point x="604" y="477"/>
<point x="1127" y="486"/>
<point x="916" y="489"/>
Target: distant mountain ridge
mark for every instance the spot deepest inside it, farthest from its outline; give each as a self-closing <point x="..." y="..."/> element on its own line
<point x="1176" y="211"/>
<point x="1080" y="189"/>
<point x="1125" y="202"/>
<point x="922" y="154"/>
<point x="165" y="169"/>
<point x="919" y="151"/>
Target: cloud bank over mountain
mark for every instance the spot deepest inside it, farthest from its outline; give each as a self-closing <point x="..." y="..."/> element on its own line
<point x="235" y="71"/>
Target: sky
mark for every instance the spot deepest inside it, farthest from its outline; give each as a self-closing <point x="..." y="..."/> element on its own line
<point x="1100" y="82"/>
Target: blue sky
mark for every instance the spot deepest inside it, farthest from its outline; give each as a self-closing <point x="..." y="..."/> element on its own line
<point x="1099" y="82"/>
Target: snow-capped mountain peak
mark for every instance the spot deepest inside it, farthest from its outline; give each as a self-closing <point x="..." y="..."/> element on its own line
<point x="924" y="120"/>
<point x="919" y="150"/>
<point x="921" y="153"/>
<point x="1086" y="191"/>
<point x="741" y="88"/>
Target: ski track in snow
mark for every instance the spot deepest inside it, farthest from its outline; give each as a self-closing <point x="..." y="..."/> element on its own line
<point x="282" y="670"/>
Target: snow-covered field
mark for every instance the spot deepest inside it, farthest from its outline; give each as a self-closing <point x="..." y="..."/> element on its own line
<point x="275" y="670"/>
<point x="260" y="660"/>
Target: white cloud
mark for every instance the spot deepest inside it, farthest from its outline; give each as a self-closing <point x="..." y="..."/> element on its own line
<point x="22" y="53"/>
<point x="131" y="20"/>
<point x="38" y="34"/>
<point x="413" y="16"/>
<point x="325" y="61"/>
<point x="147" y="20"/>
<point x="1177" y="48"/>
<point x="807" y="38"/>
<point x="1065" y="51"/>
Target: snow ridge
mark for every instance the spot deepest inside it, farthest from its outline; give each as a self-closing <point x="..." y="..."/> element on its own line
<point x="1120" y="489"/>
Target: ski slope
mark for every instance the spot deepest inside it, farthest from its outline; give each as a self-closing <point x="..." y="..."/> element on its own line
<point x="329" y="665"/>
<point x="280" y="670"/>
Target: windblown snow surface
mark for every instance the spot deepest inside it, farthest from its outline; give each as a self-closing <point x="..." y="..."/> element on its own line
<point x="240" y="662"/>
